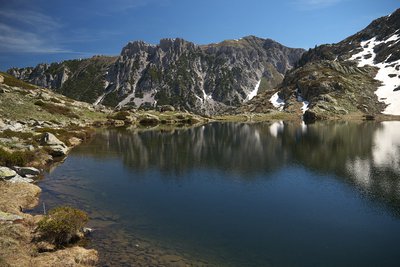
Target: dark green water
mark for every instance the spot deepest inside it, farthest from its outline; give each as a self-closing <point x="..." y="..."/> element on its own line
<point x="231" y="194"/>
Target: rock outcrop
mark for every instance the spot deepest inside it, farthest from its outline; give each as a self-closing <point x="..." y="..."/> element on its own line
<point x="54" y="145"/>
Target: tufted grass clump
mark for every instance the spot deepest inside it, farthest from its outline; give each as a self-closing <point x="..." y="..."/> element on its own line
<point x="62" y="225"/>
<point x="15" y="158"/>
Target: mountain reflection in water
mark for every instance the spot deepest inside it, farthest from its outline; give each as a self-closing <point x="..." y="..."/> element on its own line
<point x="365" y="154"/>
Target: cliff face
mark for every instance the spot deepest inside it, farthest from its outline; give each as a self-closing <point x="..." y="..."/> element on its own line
<point x="199" y="78"/>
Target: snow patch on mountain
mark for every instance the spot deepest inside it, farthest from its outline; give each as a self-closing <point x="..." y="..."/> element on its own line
<point x="277" y="101"/>
<point x="254" y="92"/>
<point x="305" y="103"/>
<point x="388" y="73"/>
<point x="99" y="99"/>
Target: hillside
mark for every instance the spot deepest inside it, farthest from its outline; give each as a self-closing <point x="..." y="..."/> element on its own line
<point x="359" y="75"/>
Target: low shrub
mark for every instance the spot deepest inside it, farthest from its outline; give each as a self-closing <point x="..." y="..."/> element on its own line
<point x="22" y="135"/>
<point x="56" y="109"/>
<point x="62" y="225"/>
<point x="120" y="115"/>
<point x="16" y="158"/>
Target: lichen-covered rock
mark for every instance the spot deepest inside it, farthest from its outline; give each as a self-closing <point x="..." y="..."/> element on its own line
<point x="6" y="173"/>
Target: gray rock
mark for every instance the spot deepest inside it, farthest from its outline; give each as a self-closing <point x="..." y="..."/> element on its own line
<point x="19" y="179"/>
<point x="15" y="127"/>
<point x="5" y="216"/>
<point x="57" y="148"/>
<point x="24" y="171"/>
<point x="7" y="173"/>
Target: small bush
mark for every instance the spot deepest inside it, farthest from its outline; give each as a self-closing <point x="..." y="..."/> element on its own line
<point x="22" y="135"/>
<point x="62" y="225"/>
<point x="56" y="109"/>
<point x="16" y="158"/>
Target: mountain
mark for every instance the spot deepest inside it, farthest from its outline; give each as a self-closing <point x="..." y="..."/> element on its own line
<point x="80" y="79"/>
<point x="360" y="74"/>
<point x="199" y="78"/>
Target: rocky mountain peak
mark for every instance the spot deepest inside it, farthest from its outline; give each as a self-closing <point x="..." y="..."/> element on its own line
<point x="176" y="45"/>
<point x="203" y="79"/>
<point x="136" y="47"/>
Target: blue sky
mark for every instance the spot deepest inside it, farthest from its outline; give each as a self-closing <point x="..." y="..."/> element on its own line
<point x="35" y="31"/>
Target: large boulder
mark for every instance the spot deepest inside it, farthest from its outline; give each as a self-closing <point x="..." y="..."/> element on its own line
<point x="24" y="171"/>
<point x="56" y="147"/>
<point x="19" y="179"/>
<point x="6" y="173"/>
<point x="148" y="119"/>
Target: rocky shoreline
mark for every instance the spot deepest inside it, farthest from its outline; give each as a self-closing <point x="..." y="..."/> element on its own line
<point x="18" y="229"/>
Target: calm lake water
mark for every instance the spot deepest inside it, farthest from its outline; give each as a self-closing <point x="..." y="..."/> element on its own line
<point x="235" y="194"/>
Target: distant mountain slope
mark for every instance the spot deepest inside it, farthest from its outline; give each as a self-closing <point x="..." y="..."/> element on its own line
<point x="80" y="79"/>
<point x="358" y="74"/>
<point x="199" y="78"/>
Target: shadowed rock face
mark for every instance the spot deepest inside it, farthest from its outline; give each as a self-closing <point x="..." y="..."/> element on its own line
<point x="203" y="79"/>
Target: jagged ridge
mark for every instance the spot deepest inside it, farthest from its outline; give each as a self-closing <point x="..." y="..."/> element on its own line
<point x="199" y="78"/>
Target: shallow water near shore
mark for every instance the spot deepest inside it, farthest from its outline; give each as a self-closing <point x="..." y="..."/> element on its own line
<point x="235" y="194"/>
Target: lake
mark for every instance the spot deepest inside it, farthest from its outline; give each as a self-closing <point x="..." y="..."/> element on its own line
<point x="237" y="194"/>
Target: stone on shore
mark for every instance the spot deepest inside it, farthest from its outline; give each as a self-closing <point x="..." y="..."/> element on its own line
<point x="25" y="171"/>
<point x="19" y="179"/>
<point x="7" y="173"/>
<point x="56" y="147"/>
<point x="5" y="216"/>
